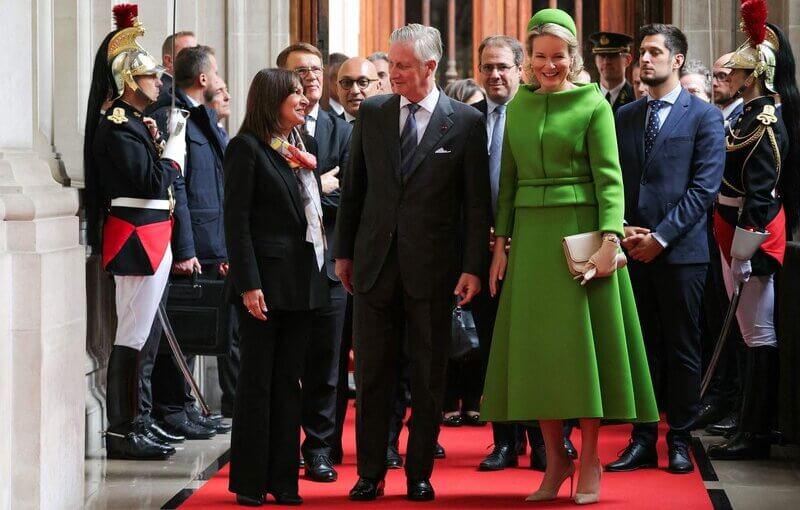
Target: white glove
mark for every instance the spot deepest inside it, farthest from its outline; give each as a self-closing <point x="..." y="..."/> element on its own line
<point x="741" y="270"/>
<point x="175" y="149"/>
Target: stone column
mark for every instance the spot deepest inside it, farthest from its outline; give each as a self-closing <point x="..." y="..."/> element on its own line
<point x="43" y="329"/>
<point x="693" y="18"/>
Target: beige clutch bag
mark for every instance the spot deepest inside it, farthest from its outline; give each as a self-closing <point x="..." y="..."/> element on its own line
<point x="579" y="248"/>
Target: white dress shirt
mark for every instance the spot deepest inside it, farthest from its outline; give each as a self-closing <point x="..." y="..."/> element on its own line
<point x="728" y="110"/>
<point x="311" y="120"/>
<point x="335" y="106"/>
<point x="349" y="118"/>
<point x="423" y="115"/>
<point x="614" y="92"/>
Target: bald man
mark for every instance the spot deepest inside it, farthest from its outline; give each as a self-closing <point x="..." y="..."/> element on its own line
<point x="358" y="80"/>
<point x="724" y="96"/>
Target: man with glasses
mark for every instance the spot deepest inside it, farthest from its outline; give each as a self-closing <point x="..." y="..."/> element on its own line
<point x="321" y="373"/>
<point x="357" y="80"/>
<point x="612" y="56"/>
<point x="730" y="103"/>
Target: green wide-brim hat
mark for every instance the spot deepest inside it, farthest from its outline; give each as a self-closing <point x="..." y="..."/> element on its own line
<point x="556" y="16"/>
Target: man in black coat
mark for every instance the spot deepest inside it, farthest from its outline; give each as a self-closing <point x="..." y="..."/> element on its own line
<point x="196" y="82"/>
<point x="321" y="374"/>
<point x="399" y="250"/>
<point x="612" y="56"/>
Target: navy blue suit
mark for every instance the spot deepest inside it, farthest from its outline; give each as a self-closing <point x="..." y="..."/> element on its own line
<point x="670" y="192"/>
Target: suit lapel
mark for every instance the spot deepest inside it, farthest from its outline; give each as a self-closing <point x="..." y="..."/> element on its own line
<point x="390" y="120"/>
<point x="287" y="174"/>
<point x="639" y="119"/>
<point x="677" y="112"/>
<point x="322" y="133"/>
<point x="441" y="121"/>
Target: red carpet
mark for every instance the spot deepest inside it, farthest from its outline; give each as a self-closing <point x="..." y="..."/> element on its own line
<point x="459" y="485"/>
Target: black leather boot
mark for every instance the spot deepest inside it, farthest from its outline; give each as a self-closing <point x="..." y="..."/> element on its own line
<point x="123" y="440"/>
<point x="753" y="437"/>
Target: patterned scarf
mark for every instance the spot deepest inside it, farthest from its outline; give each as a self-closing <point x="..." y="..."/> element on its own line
<point x="303" y="164"/>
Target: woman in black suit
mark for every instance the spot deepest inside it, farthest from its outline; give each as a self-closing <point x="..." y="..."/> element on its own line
<point x="275" y="239"/>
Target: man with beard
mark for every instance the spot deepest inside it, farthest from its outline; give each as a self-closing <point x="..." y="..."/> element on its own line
<point x="612" y="55"/>
<point x="724" y="97"/>
<point x="671" y="162"/>
<point x="202" y="239"/>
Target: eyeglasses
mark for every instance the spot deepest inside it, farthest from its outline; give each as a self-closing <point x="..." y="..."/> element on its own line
<point x="501" y="68"/>
<point x="722" y="76"/>
<point x="363" y="83"/>
<point x="302" y="72"/>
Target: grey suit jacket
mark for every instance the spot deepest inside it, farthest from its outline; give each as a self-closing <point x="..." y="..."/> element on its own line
<point x="437" y="214"/>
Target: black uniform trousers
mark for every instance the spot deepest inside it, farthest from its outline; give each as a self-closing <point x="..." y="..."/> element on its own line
<point x="668" y="298"/>
<point x="321" y="376"/>
<point x="484" y="311"/>
<point x="266" y="416"/>
<point x="147" y="359"/>
<point x="382" y="316"/>
<point x="342" y="387"/>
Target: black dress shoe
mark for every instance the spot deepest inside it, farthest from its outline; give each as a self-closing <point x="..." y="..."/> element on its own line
<point x="472" y="420"/>
<point x="212" y="421"/>
<point x="571" y="451"/>
<point x="243" y="500"/>
<point x="502" y="456"/>
<point x="393" y="458"/>
<point x="286" y="498"/>
<point x="725" y="427"/>
<point x="452" y="421"/>
<point x="439" y="452"/>
<point x="320" y="469"/>
<point x="709" y="413"/>
<point x="163" y="435"/>
<point x="187" y="428"/>
<point x="420" y="490"/>
<point x="679" y="460"/>
<point x="538" y="458"/>
<point x="155" y="440"/>
<point x="635" y="456"/>
<point x="133" y="446"/>
<point x="366" y="489"/>
<point x="742" y="446"/>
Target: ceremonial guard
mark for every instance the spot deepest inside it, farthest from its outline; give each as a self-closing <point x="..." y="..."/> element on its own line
<point x="131" y="179"/>
<point x="756" y="207"/>
<point x="612" y="56"/>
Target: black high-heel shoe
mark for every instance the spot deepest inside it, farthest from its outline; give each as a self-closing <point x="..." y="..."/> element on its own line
<point x="286" y="498"/>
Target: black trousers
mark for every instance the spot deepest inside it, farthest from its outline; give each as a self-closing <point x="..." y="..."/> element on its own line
<point x="266" y="416"/>
<point x="668" y="298"/>
<point x="147" y="359"/>
<point x="321" y="376"/>
<point x="464" y="384"/>
<point x="342" y="387"/>
<point x="381" y="316"/>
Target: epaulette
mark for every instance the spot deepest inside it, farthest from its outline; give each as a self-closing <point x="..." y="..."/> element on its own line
<point x="767" y="115"/>
<point x="118" y="116"/>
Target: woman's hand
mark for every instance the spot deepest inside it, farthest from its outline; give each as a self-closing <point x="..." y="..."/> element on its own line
<point x="604" y="261"/>
<point x="497" y="271"/>
<point x="254" y="302"/>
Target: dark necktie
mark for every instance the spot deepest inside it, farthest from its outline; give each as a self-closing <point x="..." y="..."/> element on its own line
<point x="408" y="139"/>
<point x="651" y="132"/>
<point x="608" y="97"/>
<point x="304" y="129"/>
<point x="495" y="152"/>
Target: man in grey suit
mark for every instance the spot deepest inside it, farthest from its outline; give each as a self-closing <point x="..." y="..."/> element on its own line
<point x="411" y="233"/>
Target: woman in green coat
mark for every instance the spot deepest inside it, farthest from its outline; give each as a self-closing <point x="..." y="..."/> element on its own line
<point x="562" y="350"/>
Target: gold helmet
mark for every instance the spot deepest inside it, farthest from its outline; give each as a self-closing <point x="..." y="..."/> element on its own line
<point x="759" y="51"/>
<point x="126" y="58"/>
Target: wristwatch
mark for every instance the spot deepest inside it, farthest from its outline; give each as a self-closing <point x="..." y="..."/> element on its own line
<point x="611" y="237"/>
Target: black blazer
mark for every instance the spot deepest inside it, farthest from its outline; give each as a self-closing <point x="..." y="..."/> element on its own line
<point x="445" y="193"/>
<point x="332" y="135"/>
<point x="265" y="228"/>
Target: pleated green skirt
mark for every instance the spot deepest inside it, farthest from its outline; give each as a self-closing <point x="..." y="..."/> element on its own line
<point x="561" y="350"/>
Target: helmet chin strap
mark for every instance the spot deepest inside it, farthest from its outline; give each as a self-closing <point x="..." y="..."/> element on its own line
<point x="745" y="85"/>
<point x="149" y="100"/>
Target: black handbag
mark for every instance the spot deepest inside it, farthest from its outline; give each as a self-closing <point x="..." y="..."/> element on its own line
<point x="464" y="335"/>
<point x="199" y="312"/>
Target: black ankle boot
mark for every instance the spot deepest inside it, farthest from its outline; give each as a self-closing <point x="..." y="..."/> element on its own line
<point x="123" y="440"/>
<point x="752" y="439"/>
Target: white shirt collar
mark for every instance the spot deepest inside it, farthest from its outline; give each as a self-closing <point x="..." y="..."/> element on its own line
<point x="492" y="106"/>
<point x="192" y="102"/>
<point x="348" y="117"/>
<point x="428" y="103"/>
<point x="671" y="97"/>
<point x="335" y="106"/>
<point x="314" y="113"/>
<point x="728" y="110"/>
<point x="615" y="91"/>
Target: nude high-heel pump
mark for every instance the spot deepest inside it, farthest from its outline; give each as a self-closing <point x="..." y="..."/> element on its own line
<point x="586" y="498"/>
<point x="549" y="494"/>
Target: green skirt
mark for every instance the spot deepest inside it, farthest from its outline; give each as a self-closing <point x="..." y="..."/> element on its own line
<point x="561" y="350"/>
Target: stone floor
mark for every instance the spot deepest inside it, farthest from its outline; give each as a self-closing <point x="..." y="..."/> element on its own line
<point x="123" y="485"/>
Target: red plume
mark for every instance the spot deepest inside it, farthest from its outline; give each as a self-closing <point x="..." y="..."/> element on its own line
<point x="754" y="20"/>
<point x="124" y="15"/>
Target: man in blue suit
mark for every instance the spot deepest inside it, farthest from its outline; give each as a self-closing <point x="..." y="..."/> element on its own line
<point x="672" y="153"/>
